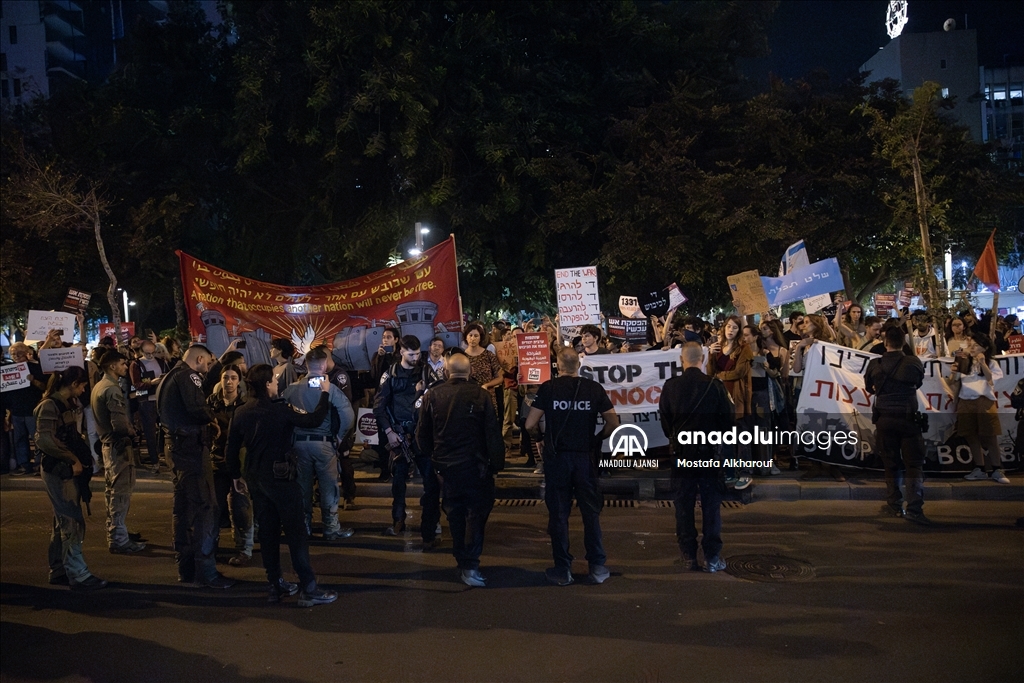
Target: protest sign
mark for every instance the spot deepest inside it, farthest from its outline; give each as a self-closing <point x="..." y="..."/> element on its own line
<point x="41" y="322"/>
<point x="675" y="297"/>
<point x="654" y="303"/>
<point x="1016" y="344"/>
<point x="796" y="256"/>
<point x="534" y="357"/>
<point x="904" y="297"/>
<point x="506" y="351"/>
<point x="833" y="400"/>
<point x="127" y="331"/>
<point x="814" y="304"/>
<point x="629" y="306"/>
<point x="366" y="427"/>
<point x="15" y="376"/>
<point x="77" y="301"/>
<point x="59" y="360"/>
<point x="578" y="302"/>
<point x="629" y="330"/>
<point x="821" y="277"/>
<point x="884" y="305"/>
<point x="748" y="295"/>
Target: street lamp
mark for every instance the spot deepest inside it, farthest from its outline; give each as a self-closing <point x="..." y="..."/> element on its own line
<point x="420" y="232"/>
<point x="124" y="298"/>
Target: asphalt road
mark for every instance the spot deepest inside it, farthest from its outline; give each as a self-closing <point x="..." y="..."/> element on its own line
<point x="887" y="601"/>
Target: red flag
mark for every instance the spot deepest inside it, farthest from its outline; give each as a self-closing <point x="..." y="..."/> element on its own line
<point x="987" y="270"/>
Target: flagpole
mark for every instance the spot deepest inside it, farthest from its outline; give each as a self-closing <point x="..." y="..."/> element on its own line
<point x="458" y="288"/>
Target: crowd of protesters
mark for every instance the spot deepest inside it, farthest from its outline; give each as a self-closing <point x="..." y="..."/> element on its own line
<point x="97" y="419"/>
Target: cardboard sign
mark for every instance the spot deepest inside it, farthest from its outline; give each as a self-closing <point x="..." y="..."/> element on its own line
<point x="629" y="330"/>
<point x="1016" y="344"/>
<point x="59" y="360"/>
<point x="884" y="305"/>
<point x="366" y="427"/>
<point x="654" y="303"/>
<point x="578" y="302"/>
<point x="127" y="331"/>
<point x="76" y="301"/>
<point x="41" y="322"/>
<point x="904" y="297"/>
<point x="534" y="357"/>
<point x="629" y="307"/>
<point x="748" y="295"/>
<point x="814" y="304"/>
<point x="675" y="297"/>
<point x="13" y="377"/>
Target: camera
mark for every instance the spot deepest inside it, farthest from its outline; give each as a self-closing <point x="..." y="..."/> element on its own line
<point x="240" y="344"/>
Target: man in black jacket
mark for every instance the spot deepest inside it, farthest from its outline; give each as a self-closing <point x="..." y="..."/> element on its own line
<point x="691" y="405"/>
<point x="264" y="426"/>
<point x="894" y="380"/>
<point x="458" y="430"/>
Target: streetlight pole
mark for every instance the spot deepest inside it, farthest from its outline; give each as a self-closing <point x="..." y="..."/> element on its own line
<point x="420" y="232"/>
<point x="124" y="298"/>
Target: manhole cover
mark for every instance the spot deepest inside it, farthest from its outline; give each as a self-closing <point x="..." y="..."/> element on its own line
<point x="769" y="568"/>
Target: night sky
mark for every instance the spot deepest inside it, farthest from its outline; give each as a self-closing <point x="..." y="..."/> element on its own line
<point x="840" y="36"/>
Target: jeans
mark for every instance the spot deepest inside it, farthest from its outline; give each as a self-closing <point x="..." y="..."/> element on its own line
<point x="119" y="481"/>
<point x="901" y="448"/>
<point x="65" y="552"/>
<point x="278" y="506"/>
<point x="148" y="417"/>
<point x="24" y="428"/>
<point x="319" y="459"/>
<point x="468" y="501"/>
<point x="239" y="508"/>
<point x="430" y="501"/>
<point x="194" y="520"/>
<point x="566" y="475"/>
<point x="684" y="493"/>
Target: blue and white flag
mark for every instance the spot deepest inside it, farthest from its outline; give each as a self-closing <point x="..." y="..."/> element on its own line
<point x="821" y="277"/>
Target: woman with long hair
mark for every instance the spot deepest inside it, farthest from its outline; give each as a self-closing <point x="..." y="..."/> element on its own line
<point x="730" y="361"/>
<point x="849" y="326"/>
<point x="486" y="368"/>
<point x="66" y="466"/>
<point x="977" y="416"/>
<point x="235" y="508"/>
<point x="815" y="329"/>
<point x="957" y="335"/>
<point x="761" y="414"/>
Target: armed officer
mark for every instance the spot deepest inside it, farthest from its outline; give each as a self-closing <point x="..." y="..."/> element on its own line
<point x="187" y="422"/>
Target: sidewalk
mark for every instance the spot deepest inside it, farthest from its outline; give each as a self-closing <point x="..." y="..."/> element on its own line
<point x="517" y="481"/>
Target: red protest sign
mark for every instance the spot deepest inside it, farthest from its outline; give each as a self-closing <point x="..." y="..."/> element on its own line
<point x="1016" y="343"/>
<point x="534" y="357"/>
<point x="127" y="331"/>
<point x="884" y="305"/>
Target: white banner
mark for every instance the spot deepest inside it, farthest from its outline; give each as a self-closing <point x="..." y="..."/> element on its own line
<point x="59" y="360"/>
<point x="15" y="376"/>
<point x="578" y="302"/>
<point x="833" y="399"/>
<point x="366" y="427"/>
<point x="41" y="322"/>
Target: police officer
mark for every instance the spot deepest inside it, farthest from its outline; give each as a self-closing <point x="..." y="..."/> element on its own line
<point x="114" y="427"/>
<point x="186" y="420"/>
<point x="395" y="407"/>
<point x="695" y="402"/>
<point x="570" y="405"/>
<point x="458" y="430"/>
<point x="338" y="376"/>
<point x="894" y="380"/>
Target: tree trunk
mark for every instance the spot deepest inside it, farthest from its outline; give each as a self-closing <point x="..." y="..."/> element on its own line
<point x="880" y="275"/>
<point x="938" y="316"/>
<point x="115" y="309"/>
<point x="179" y="310"/>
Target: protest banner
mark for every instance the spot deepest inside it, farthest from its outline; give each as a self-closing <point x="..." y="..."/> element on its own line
<point x="366" y="427"/>
<point x="534" y="357"/>
<point x="632" y="330"/>
<point x="884" y="305"/>
<point x="833" y="400"/>
<point x="629" y="306"/>
<point x="654" y="303"/>
<point x="127" y="331"/>
<point x="59" y="360"/>
<point x="76" y="301"/>
<point x="41" y="322"/>
<point x="796" y="256"/>
<point x="14" y="376"/>
<point x="748" y="295"/>
<point x="821" y="277"/>
<point x="419" y="296"/>
<point x="578" y="302"/>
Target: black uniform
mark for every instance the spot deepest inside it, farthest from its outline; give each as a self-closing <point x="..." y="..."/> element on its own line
<point x="695" y="402"/>
<point x="458" y="431"/>
<point x="185" y="417"/>
<point x="894" y="380"/>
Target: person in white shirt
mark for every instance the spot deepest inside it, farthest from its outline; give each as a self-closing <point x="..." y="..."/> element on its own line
<point x="977" y="417"/>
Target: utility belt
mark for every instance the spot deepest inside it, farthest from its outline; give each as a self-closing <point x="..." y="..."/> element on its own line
<point x="313" y="437"/>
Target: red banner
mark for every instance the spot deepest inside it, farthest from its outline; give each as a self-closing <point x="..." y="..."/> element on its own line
<point x="419" y="296"/>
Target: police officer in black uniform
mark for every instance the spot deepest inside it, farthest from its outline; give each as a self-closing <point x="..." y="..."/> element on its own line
<point x="186" y="421"/>
<point x="458" y="430"/>
<point x="894" y="380"/>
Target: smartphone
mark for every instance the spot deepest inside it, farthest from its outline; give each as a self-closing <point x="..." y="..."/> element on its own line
<point x="389" y="349"/>
<point x="315" y="382"/>
<point x="59" y="332"/>
<point x="240" y="344"/>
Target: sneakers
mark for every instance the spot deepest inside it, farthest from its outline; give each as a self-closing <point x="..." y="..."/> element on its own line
<point x="715" y="564"/>
<point x="690" y="563"/>
<point x="977" y="475"/>
<point x="218" y="581"/>
<point x="437" y="531"/>
<point x="891" y="510"/>
<point x="775" y="471"/>
<point x="316" y="596"/>
<point x="92" y="583"/>
<point x="128" y="548"/>
<point x="339" y="535"/>
<point x="599" y="573"/>
<point x="430" y="546"/>
<point x="916" y="518"/>
<point x="240" y="560"/>
<point x="743" y="482"/>
<point x="136" y="537"/>
<point x="540" y="469"/>
<point x="999" y="477"/>
<point x="559" y="577"/>
<point x="281" y="589"/>
<point x="20" y="471"/>
<point x="473" y="578"/>
<point x="396" y="528"/>
<point x="59" y="580"/>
